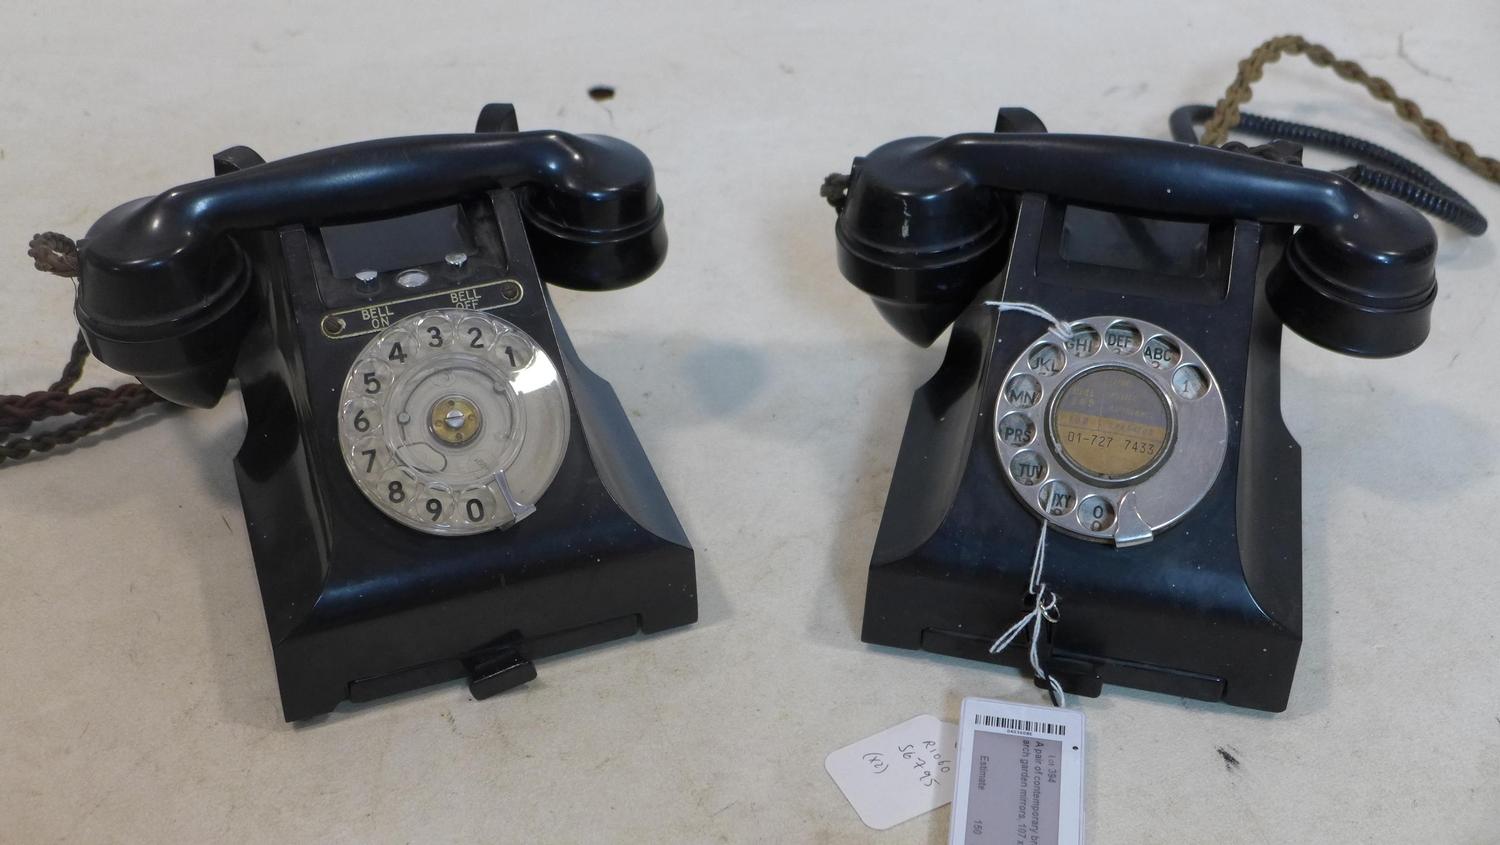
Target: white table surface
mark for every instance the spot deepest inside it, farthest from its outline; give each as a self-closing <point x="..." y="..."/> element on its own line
<point x="137" y="696"/>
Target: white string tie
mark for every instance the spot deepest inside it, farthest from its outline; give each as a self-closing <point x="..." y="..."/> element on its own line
<point x="1058" y="326"/>
<point x="1044" y="609"/>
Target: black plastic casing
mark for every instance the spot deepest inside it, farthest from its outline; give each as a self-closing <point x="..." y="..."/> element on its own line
<point x="359" y="606"/>
<point x="1220" y="247"/>
<point x="1211" y="608"/>
<point x="233" y="276"/>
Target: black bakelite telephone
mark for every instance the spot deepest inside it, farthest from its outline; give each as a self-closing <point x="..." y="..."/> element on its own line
<point x="1143" y="429"/>
<point x="434" y="484"/>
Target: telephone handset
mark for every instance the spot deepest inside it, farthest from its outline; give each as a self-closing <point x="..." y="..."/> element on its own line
<point x="163" y="282"/>
<point x="926" y="221"/>
<point x="434" y="484"/>
<point x="1142" y="428"/>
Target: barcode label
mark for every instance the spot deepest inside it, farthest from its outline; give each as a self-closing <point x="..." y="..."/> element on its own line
<point x="1025" y="725"/>
<point x="1020" y="775"/>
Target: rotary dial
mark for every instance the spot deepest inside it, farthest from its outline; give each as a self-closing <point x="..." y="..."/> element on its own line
<point x="453" y="422"/>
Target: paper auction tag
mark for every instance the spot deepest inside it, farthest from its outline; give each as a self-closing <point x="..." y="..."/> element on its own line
<point x="899" y="773"/>
<point x="1020" y="775"/>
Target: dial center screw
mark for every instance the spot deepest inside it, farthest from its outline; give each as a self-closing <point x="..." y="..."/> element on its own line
<point x="454" y="420"/>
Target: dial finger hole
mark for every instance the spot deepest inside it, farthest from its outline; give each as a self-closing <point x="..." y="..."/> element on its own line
<point x="361" y="416"/>
<point x="1023" y="391"/>
<point x="1027" y="468"/>
<point x="1189" y="382"/>
<point x="1122" y="338"/>
<point x="1160" y="353"/>
<point x="396" y="348"/>
<point x="478" y="505"/>
<point x="435" y="505"/>
<point x="512" y="350"/>
<point x="368" y="459"/>
<point x="370" y="377"/>
<point x="1016" y="428"/>
<point x="396" y="486"/>
<point x="1056" y="498"/>
<point x="1095" y="513"/>
<point x="476" y="334"/>
<point x="435" y="332"/>
<point x="1084" y="343"/>
<point x="1047" y="359"/>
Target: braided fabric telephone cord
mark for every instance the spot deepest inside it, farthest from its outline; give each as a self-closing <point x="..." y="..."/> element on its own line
<point x="1227" y="111"/>
<point x="97" y="407"/>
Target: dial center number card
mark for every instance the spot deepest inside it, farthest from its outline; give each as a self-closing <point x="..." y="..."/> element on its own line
<point x="899" y="773"/>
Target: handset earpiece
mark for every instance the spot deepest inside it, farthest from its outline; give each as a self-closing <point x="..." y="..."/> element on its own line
<point x="921" y="237"/>
<point x="601" y="236"/>
<point x="1357" y="277"/>
<point x="162" y="285"/>
<point x="1364" y="285"/>
<point x="598" y="226"/>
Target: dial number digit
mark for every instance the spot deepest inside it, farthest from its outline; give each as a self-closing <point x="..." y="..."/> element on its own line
<point x="367" y="457"/>
<point x="395" y="492"/>
<point x="361" y="416"/>
<point x="369" y="377"/>
<point x="479" y="505"/>
<point x="435" y="336"/>
<point x="514" y="351"/>
<point x="1095" y="513"/>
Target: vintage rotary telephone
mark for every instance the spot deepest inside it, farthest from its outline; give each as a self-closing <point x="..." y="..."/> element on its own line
<point x="1143" y="429"/>
<point x="434" y="484"/>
